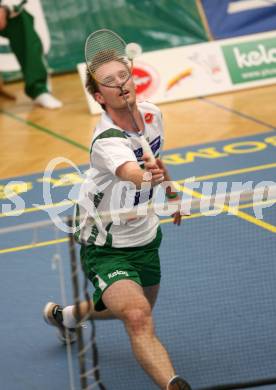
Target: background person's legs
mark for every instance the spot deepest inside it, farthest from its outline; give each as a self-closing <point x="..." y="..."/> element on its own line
<point x="27" y="47"/>
<point x="4" y="92"/>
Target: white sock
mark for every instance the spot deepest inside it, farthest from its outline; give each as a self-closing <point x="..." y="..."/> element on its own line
<point x="69" y="320"/>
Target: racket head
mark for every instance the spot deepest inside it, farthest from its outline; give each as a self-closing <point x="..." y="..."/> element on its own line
<point x="101" y="48"/>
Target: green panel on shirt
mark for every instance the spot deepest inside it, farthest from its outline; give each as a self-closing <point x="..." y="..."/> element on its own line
<point x="115" y="133"/>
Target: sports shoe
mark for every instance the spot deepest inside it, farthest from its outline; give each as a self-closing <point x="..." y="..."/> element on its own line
<point x="52" y="314"/>
<point x="47" y="100"/>
<point x="177" y="383"/>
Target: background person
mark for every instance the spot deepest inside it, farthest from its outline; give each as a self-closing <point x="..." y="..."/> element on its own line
<point x="17" y="25"/>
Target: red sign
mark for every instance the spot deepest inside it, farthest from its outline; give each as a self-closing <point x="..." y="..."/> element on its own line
<point x="142" y="80"/>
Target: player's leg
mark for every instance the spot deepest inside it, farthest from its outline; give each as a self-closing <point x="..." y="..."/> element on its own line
<point x="66" y="317"/>
<point x="151" y="293"/>
<point x="87" y="309"/>
<point x="106" y="262"/>
<point x="136" y="314"/>
<point x="102" y="267"/>
<point x="126" y="300"/>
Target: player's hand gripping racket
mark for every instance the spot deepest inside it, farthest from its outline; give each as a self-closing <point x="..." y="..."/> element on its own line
<point x="105" y="46"/>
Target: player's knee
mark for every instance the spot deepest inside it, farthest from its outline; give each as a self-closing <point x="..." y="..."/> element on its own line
<point x="138" y="320"/>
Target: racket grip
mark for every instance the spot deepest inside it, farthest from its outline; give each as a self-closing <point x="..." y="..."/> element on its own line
<point x="146" y="148"/>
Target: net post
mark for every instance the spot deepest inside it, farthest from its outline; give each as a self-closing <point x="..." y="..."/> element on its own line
<point x="94" y="347"/>
<point x="76" y="297"/>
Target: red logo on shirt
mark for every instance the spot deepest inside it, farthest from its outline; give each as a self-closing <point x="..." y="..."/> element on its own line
<point x="148" y="117"/>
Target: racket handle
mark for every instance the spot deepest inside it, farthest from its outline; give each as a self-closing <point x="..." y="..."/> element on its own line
<point x="146" y="148"/>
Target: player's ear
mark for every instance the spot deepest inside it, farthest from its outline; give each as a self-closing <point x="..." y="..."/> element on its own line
<point x="99" y="97"/>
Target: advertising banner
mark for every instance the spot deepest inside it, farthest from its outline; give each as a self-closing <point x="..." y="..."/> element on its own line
<point x="64" y="25"/>
<point x="200" y="70"/>
<point x="232" y="18"/>
<point x="252" y="60"/>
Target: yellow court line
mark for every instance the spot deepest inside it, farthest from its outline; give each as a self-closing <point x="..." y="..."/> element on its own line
<point x="46" y="243"/>
<point x="256" y="221"/>
<point x="53" y="242"/>
<point x="199" y="178"/>
<point x="32" y="246"/>
<point x="229" y="173"/>
<point x="162" y="221"/>
<point x="34" y="209"/>
<point x="234" y="211"/>
<point x="211" y="212"/>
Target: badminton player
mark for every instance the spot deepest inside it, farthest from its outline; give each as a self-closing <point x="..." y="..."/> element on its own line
<point x="122" y="261"/>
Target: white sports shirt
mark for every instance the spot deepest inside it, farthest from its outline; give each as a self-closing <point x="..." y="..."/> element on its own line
<point x="111" y="147"/>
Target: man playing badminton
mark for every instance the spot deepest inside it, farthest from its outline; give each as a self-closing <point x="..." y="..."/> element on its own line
<point x="122" y="259"/>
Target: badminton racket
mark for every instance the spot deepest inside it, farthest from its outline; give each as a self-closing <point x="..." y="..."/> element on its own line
<point x="105" y="46"/>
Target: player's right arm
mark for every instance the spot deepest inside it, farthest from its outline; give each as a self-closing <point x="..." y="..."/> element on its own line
<point x="131" y="171"/>
<point x="112" y="152"/>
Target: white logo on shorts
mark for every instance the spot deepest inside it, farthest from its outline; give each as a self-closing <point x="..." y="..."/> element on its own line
<point x="116" y="273"/>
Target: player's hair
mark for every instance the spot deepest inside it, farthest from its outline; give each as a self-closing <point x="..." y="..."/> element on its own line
<point x="92" y="85"/>
<point x="99" y="59"/>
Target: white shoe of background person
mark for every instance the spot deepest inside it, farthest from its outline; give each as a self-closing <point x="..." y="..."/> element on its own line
<point x="47" y="100"/>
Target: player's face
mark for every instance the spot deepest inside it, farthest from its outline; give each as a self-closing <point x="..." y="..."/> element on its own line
<point x="115" y="73"/>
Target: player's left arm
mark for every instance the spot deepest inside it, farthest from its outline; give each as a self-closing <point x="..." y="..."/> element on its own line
<point x="171" y="192"/>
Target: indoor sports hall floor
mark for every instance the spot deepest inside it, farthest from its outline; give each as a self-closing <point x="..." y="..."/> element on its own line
<point x="216" y="309"/>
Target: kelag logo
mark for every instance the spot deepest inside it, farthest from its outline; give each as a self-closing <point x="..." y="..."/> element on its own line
<point x="146" y="79"/>
<point x="249" y="61"/>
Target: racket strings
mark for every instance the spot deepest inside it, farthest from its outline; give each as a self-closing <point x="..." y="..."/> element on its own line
<point x="107" y="58"/>
<point x="103" y="47"/>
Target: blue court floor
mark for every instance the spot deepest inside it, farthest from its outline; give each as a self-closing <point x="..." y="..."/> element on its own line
<point x="216" y="310"/>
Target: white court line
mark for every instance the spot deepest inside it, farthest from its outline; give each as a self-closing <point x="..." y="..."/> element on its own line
<point x="247" y="5"/>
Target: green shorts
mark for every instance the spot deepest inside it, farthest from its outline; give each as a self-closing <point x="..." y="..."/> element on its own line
<point x="104" y="266"/>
